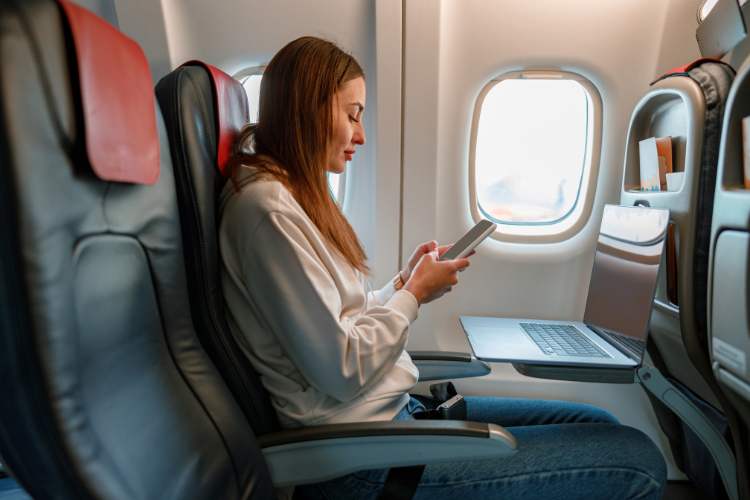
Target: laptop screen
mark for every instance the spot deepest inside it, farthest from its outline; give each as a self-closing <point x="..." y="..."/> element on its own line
<point x="626" y="267"/>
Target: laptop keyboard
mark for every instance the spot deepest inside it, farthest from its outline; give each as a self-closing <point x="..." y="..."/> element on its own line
<point x="563" y="340"/>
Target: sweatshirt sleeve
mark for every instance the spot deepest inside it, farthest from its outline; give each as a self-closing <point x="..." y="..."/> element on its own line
<point x="383" y="295"/>
<point x="297" y="299"/>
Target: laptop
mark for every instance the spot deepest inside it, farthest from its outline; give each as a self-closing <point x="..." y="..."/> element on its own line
<point x="618" y="307"/>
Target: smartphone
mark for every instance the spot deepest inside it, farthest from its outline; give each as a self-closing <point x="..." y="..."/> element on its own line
<point x="474" y="237"/>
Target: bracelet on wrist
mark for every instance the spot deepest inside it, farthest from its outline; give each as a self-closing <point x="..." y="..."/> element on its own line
<point x="398" y="282"/>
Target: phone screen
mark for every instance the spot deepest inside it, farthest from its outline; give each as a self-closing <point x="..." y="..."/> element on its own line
<point x="470" y="240"/>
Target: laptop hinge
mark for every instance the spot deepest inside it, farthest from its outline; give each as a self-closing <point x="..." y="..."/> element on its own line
<point x="653" y="381"/>
<point x="616" y="343"/>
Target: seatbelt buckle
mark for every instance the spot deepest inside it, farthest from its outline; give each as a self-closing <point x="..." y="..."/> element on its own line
<point x="452" y="409"/>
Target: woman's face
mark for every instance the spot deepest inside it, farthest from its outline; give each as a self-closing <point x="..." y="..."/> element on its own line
<point x="348" y="130"/>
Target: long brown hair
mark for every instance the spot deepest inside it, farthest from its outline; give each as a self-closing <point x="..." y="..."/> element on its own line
<point x="291" y="139"/>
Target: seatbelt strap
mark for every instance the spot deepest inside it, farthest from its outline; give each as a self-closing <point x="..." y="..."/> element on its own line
<point x="401" y="483"/>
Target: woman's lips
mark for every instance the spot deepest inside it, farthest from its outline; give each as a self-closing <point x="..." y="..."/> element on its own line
<point x="348" y="154"/>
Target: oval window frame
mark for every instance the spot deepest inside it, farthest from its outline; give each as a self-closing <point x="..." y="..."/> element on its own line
<point x="565" y="227"/>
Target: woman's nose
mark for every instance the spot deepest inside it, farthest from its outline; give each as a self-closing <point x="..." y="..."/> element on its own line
<point x="359" y="135"/>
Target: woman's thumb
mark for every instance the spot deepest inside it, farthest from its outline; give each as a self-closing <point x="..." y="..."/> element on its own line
<point x="461" y="264"/>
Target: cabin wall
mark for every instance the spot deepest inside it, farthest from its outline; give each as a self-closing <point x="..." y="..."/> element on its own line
<point x="144" y="21"/>
<point x="452" y="49"/>
<point x="410" y="183"/>
<point x="678" y="45"/>
<point x="441" y="86"/>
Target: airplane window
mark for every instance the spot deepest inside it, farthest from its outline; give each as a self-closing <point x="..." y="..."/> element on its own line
<point x="252" y="88"/>
<point x="531" y="145"/>
<point x="250" y="79"/>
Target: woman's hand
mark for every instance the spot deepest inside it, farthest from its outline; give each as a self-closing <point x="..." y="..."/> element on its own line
<point x="426" y="247"/>
<point x="431" y="278"/>
<point x="423" y="248"/>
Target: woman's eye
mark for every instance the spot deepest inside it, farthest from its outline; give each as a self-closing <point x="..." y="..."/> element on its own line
<point x="354" y="119"/>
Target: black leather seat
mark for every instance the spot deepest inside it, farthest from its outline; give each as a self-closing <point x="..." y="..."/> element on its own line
<point x="204" y="109"/>
<point x="107" y="391"/>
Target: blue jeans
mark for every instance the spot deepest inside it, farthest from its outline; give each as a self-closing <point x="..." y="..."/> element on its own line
<point x="566" y="451"/>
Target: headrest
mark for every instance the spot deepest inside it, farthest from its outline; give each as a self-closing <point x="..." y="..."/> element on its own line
<point x="230" y="103"/>
<point x="684" y="69"/>
<point x="117" y="98"/>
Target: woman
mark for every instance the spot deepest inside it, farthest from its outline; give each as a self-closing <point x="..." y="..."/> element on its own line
<point x="329" y="352"/>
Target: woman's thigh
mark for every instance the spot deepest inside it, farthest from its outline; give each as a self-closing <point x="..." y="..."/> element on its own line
<point x="553" y="462"/>
<point x="517" y="412"/>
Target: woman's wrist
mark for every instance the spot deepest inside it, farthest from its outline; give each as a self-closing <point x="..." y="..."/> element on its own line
<point x="414" y="290"/>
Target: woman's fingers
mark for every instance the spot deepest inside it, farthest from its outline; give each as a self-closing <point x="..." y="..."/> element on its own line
<point x="460" y="264"/>
<point x="427" y="247"/>
<point x="443" y="248"/>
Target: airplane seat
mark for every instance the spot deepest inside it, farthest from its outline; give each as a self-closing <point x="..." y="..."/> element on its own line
<point x="204" y="108"/>
<point x="107" y="391"/>
<point x="729" y="326"/>
<point x="686" y="104"/>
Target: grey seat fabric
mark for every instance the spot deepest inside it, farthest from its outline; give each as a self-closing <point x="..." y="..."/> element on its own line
<point x="107" y="391"/>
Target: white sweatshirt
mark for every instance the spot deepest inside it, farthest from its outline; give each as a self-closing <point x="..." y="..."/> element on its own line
<point x="325" y="349"/>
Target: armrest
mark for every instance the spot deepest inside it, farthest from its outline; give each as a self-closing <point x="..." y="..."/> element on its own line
<point x="441" y="356"/>
<point x="319" y="453"/>
<point x="438" y="365"/>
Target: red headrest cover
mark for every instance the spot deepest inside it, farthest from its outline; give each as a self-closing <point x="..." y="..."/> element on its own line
<point x="122" y="142"/>
<point x="230" y="103"/>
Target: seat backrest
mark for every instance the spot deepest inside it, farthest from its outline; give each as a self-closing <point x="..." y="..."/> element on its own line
<point x="107" y="391"/>
<point x="714" y="79"/>
<point x="204" y="109"/>
<point x="729" y="323"/>
<point x="687" y="104"/>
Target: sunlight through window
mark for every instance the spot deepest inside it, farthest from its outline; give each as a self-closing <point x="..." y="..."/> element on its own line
<point x="252" y="88"/>
<point x="531" y="149"/>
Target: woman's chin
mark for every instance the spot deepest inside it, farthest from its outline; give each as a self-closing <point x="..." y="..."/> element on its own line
<point x="336" y="168"/>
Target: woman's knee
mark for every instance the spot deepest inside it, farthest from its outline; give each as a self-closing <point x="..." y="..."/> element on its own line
<point x="605" y="446"/>
<point x="642" y="452"/>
